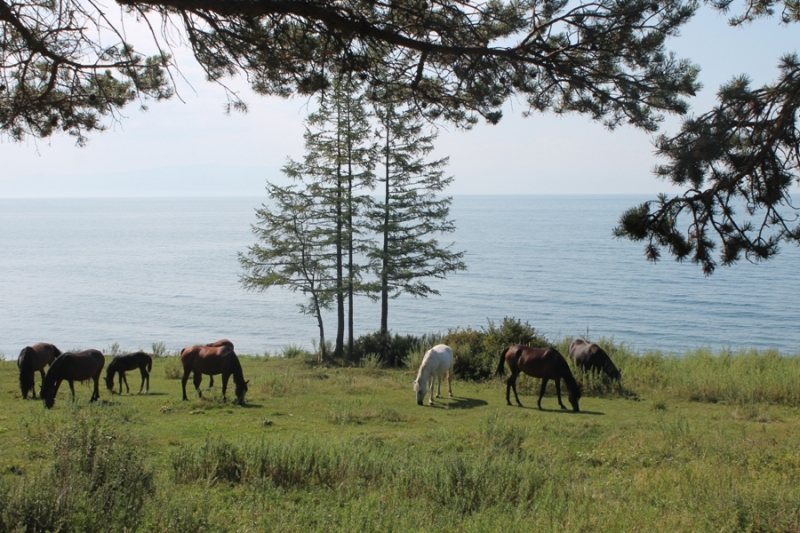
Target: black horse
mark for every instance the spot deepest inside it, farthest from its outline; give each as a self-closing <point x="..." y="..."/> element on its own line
<point x="592" y="358"/>
<point x="129" y="361"/>
<point x="79" y="366"/>
<point x="31" y="359"/>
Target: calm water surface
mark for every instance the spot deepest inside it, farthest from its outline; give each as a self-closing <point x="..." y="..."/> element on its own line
<point x="88" y="273"/>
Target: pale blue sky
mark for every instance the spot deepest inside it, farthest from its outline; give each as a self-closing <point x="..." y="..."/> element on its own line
<point x="190" y="147"/>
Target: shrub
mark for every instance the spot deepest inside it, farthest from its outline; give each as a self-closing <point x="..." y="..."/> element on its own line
<point x="173" y="368"/>
<point x="159" y="349"/>
<point x="390" y="351"/>
<point x="478" y="352"/>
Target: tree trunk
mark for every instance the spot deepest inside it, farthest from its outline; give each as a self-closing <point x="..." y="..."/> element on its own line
<point x="385" y="260"/>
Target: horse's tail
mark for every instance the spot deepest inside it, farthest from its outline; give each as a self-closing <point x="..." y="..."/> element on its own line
<point x="149" y="364"/>
<point x="25" y="364"/>
<point x="501" y="369"/>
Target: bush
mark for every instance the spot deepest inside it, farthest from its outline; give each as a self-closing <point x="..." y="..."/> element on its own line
<point x="390" y="351"/>
<point x="478" y="352"/>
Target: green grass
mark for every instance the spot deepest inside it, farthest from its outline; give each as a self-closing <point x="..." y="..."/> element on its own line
<point x="699" y="442"/>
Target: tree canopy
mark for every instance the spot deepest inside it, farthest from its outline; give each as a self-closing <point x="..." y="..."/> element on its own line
<point x="68" y="66"/>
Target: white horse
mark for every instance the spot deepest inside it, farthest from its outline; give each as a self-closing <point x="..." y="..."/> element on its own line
<point x="437" y="362"/>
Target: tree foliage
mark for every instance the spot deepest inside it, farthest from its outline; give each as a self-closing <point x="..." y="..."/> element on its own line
<point x="455" y="60"/>
<point x="738" y="164"/>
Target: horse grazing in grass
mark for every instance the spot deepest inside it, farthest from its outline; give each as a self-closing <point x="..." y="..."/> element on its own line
<point x="130" y="361"/>
<point x="31" y="359"/>
<point x="218" y="344"/>
<point x="592" y="358"/>
<point x="437" y="362"/>
<point x="545" y="363"/>
<point x="79" y="366"/>
<point x="213" y="360"/>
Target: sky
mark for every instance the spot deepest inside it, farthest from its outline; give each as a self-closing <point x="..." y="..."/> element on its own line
<point x="188" y="146"/>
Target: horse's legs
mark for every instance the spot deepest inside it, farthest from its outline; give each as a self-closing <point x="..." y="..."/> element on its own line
<point x="449" y="384"/>
<point x="72" y="388"/>
<point x="33" y="389"/>
<point x="541" y="392"/>
<point x="96" y="393"/>
<point x="439" y="386"/>
<point x="197" y="380"/>
<point x="210" y="381"/>
<point x="123" y="378"/>
<point x="224" y="385"/>
<point x="558" y="392"/>
<point x="186" y="373"/>
<point x="514" y="386"/>
<point x="144" y="373"/>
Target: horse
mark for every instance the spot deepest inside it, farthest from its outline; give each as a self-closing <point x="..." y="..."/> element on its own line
<point x="31" y="359"/>
<point x="437" y="362"/>
<point x="122" y="363"/>
<point x="79" y="366"/>
<point x="545" y="363"/>
<point x="218" y="344"/>
<point x="591" y="357"/>
<point x="213" y="360"/>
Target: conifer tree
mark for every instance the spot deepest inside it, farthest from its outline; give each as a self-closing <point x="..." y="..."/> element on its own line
<point x="294" y="251"/>
<point x="410" y="211"/>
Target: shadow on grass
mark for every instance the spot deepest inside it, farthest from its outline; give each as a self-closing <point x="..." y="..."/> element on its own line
<point x="459" y="403"/>
<point x="558" y="411"/>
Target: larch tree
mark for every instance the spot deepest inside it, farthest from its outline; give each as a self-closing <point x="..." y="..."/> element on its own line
<point x="295" y="251"/>
<point x="336" y="170"/>
<point x="410" y="211"/>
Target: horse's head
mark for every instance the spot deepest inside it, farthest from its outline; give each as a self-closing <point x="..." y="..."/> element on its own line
<point x="574" y="396"/>
<point x="420" y="391"/>
<point x="110" y="382"/>
<point x="241" y="390"/>
<point x="49" y="395"/>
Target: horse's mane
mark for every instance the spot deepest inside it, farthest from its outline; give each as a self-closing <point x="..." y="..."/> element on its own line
<point x="236" y="366"/>
<point x="50" y="377"/>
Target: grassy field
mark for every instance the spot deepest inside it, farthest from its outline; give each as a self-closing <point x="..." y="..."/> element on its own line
<point x="694" y="443"/>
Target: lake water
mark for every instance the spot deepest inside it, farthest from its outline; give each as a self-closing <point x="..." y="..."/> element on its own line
<point x="86" y="273"/>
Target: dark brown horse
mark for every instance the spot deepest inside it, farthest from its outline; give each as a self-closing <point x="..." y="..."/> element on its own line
<point x="545" y="363"/>
<point x="218" y="344"/>
<point x="79" y="366"/>
<point x="31" y="359"/>
<point x="592" y="358"/>
<point x="129" y="361"/>
<point x="213" y="360"/>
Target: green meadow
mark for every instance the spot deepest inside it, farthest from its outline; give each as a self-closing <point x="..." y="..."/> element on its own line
<point x="696" y="442"/>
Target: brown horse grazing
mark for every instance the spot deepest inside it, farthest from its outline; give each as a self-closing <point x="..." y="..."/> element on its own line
<point x="79" y="366"/>
<point x="545" y="363"/>
<point x="213" y="360"/>
<point x="130" y="361"/>
<point x="592" y="358"/>
<point x="31" y="359"/>
<point x="218" y="344"/>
